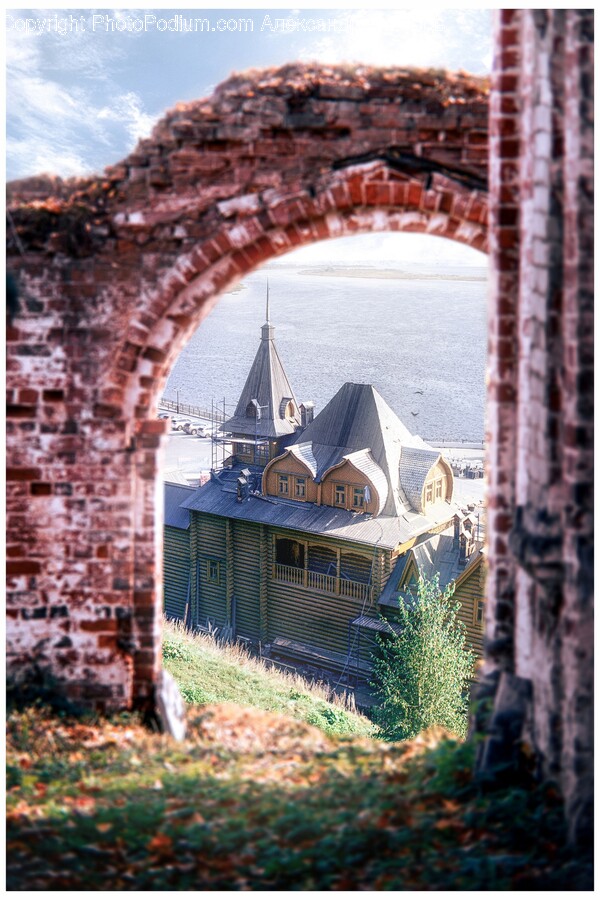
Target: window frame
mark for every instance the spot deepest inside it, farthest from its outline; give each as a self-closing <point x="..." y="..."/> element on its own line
<point x="210" y="577"/>
<point x="356" y="491"/>
<point x="337" y="488"/>
<point x="300" y="481"/>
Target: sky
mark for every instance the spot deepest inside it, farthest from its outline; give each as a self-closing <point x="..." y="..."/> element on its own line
<point x="83" y="85"/>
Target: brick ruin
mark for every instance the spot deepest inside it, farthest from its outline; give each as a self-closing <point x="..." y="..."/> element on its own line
<point x="109" y="277"/>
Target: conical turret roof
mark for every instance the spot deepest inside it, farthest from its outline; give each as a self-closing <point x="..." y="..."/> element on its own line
<point x="268" y="390"/>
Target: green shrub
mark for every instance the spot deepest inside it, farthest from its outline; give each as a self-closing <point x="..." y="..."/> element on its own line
<point x="423" y="671"/>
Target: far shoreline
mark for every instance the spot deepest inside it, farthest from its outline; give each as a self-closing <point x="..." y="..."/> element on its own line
<point x="334" y="271"/>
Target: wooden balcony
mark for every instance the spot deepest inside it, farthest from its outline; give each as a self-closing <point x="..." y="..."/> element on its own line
<point x="327" y="584"/>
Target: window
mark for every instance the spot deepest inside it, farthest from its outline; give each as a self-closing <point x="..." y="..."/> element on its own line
<point x="340" y="495"/>
<point x="283" y="484"/>
<point x="213" y="571"/>
<point x="358" y="497"/>
<point x="300" y="488"/>
<point x="439" y="488"/>
<point x="479" y="611"/>
<point x="428" y="492"/>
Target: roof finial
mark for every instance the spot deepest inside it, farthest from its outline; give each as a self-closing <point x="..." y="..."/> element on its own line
<point x="267" y="301"/>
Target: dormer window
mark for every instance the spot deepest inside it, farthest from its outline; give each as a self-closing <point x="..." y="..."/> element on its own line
<point x="283" y="485"/>
<point x="358" y="497"/>
<point x="437" y="486"/>
<point x="300" y="487"/>
<point x="340" y="495"/>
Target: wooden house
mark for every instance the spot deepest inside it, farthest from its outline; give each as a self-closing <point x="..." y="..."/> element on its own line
<point x="176" y="550"/>
<point x="303" y="552"/>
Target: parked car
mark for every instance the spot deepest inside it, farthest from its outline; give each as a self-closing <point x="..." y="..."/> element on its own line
<point x="190" y="428"/>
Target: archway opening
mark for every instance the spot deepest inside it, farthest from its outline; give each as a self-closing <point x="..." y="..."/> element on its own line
<point x="357" y="309"/>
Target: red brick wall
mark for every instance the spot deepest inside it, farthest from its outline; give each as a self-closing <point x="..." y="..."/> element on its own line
<point x="540" y="457"/>
<point x="116" y="272"/>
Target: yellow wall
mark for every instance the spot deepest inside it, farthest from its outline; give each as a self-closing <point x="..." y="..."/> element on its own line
<point x="291" y="466"/>
<point x="349" y="475"/>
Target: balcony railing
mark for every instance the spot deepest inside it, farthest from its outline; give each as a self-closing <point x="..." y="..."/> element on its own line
<point x="328" y="584"/>
<point x="290" y="574"/>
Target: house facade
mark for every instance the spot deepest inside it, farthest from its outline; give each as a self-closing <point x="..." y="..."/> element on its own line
<point x="315" y="525"/>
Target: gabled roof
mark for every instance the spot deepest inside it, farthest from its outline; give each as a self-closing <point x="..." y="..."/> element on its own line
<point x="436" y="554"/>
<point x="219" y="497"/>
<point x="303" y="452"/>
<point x="268" y="385"/>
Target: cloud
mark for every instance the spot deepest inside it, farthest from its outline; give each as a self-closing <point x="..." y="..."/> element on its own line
<point x="423" y="38"/>
<point x="64" y="109"/>
<point x="45" y="157"/>
<point x="127" y="110"/>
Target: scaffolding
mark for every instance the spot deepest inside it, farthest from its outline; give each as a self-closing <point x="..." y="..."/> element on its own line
<point x="226" y="448"/>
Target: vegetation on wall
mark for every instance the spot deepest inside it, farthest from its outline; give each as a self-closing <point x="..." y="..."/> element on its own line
<point x="424" y="667"/>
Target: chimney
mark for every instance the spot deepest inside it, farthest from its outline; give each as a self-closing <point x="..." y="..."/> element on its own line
<point x="457" y="530"/>
<point x="243" y="489"/>
<point x="307" y="413"/>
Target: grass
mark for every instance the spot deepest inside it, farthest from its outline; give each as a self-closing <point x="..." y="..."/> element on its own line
<point x="209" y="672"/>
<point x="283" y="789"/>
<point x="253" y="800"/>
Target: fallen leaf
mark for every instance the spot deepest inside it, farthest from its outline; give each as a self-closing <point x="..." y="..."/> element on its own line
<point x="160" y="843"/>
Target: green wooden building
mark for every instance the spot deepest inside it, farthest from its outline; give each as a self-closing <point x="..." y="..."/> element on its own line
<point x="300" y="547"/>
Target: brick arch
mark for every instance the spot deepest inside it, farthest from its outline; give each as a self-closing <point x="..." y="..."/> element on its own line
<point x="96" y="260"/>
<point x="115" y="273"/>
<point x="405" y="206"/>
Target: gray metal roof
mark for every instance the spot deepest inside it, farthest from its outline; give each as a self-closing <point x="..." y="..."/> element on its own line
<point x="358" y="418"/>
<point x="304" y="453"/>
<point x="364" y="462"/>
<point x="376" y="624"/>
<point x="268" y="384"/>
<point x="415" y="463"/>
<point x="434" y="554"/>
<point x="218" y="497"/>
<point x="175" y="495"/>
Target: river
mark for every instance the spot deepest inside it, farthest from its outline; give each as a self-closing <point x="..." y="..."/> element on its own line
<point x="419" y="336"/>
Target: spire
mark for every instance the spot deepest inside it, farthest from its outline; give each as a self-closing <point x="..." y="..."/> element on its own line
<point x="268" y="331"/>
<point x="267" y="388"/>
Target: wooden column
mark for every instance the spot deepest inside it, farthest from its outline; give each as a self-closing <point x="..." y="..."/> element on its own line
<point x="264" y="582"/>
<point x="229" y="572"/>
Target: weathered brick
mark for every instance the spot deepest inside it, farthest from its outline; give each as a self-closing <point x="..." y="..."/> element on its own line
<point x="232" y="196"/>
